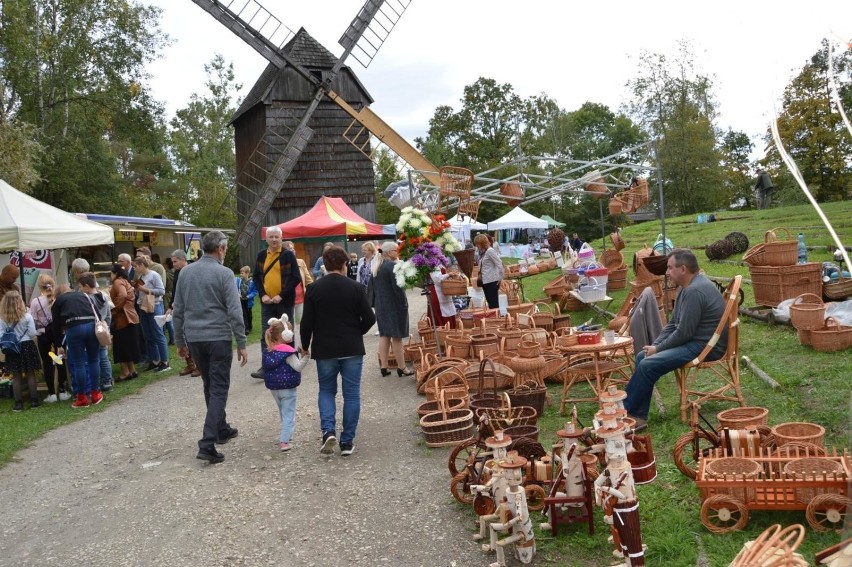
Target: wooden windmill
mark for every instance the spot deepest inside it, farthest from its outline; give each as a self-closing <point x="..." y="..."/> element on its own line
<point x="268" y="36"/>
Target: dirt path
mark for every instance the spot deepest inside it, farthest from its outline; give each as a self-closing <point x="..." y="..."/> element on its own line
<point x="124" y="487"/>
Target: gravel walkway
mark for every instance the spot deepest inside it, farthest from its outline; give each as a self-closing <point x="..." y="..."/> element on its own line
<point x="124" y="487"/>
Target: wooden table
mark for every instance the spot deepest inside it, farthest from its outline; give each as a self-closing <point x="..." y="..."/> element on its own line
<point x="599" y="365"/>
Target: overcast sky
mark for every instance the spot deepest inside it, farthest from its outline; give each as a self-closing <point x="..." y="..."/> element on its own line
<point x="572" y="51"/>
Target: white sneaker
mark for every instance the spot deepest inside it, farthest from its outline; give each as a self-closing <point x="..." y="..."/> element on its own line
<point x="51" y="399"/>
<point x="64" y="396"/>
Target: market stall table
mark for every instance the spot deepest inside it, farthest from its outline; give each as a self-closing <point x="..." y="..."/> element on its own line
<point x="593" y="304"/>
<point x="596" y="364"/>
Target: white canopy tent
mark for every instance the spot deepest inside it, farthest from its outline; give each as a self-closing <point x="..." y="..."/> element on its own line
<point x="461" y="227"/>
<point x="29" y="224"/>
<point x="517" y="218"/>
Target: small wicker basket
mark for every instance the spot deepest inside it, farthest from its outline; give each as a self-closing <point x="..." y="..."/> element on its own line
<point x="454" y="286"/>
<point x="780" y="252"/>
<point x="807" y="312"/>
<point x="734" y="468"/>
<point x="743" y="418"/>
<point x="814" y="469"/>
<point x="798" y="431"/>
<point x="831" y="337"/>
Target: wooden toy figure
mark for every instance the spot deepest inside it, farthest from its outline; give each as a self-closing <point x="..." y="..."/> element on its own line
<point x="510" y="517"/>
<point x="486" y="495"/>
<point x="615" y="491"/>
<point x="570" y="498"/>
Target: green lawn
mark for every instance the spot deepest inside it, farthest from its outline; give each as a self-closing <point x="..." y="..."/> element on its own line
<point x="814" y="387"/>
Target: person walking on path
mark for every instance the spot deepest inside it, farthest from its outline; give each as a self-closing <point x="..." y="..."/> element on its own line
<point x="336" y="317"/>
<point x="207" y="314"/>
<point x="391" y="309"/>
<point x="698" y="309"/>
<point x="179" y="262"/>
<point x="282" y="373"/>
<point x="276" y="277"/>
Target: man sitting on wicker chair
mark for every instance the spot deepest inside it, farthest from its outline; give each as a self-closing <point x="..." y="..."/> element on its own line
<point x="697" y="312"/>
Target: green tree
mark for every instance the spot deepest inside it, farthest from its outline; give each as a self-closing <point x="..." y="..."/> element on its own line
<point x="814" y="135"/>
<point x="21" y="154"/>
<point x="738" y="181"/>
<point x="202" y="149"/>
<point x="72" y="68"/>
<point x="674" y="104"/>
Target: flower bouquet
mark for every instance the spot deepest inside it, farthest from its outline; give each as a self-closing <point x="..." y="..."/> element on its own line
<point x="423" y="243"/>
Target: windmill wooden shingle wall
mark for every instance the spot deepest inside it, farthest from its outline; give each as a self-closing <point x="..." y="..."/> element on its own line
<point x="330" y="165"/>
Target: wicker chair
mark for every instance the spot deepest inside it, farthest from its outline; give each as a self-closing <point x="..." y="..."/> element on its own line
<point x="726" y="369"/>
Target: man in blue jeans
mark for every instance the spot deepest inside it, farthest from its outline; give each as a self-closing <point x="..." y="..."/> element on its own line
<point x="697" y="312"/>
<point x="336" y="316"/>
<point x="207" y="315"/>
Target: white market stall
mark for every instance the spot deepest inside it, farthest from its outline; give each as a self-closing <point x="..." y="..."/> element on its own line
<point x="30" y="229"/>
<point x="519" y="219"/>
<point x="461" y="228"/>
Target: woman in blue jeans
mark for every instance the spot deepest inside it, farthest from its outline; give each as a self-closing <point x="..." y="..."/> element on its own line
<point x="150" y="284"/>
<point x="75" y="312"/>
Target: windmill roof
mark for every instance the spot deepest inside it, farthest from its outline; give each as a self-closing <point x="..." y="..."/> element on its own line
<point x="304" y="50"/>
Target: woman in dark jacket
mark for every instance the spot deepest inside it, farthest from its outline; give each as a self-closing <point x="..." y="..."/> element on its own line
<point x="391" y="309"/>
<point x="75" y="312"/>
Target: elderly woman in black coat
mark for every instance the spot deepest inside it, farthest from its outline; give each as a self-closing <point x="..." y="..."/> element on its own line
<point x="391" y="309"/>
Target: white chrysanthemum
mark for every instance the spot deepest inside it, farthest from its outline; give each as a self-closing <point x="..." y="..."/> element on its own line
<point x="403" y="220"/>
<point x="415" y="223"/>
<point x="410" y="270"/>
<point x="408" y="209"/>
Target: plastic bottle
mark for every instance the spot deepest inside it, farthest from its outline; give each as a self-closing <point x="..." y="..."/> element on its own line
<point x="803" y="250"/>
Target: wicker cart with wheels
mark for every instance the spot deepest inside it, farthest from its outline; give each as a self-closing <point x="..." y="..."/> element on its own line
<point x="732" y="486"/>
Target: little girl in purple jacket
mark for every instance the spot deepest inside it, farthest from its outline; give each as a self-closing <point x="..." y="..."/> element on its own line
<point x="282" y="371"/>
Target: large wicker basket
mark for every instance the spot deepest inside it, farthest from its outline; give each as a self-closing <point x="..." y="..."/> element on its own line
<point x="807" y="312"/>
<point x="447" y="427"/>
<point x="530" y="394"/>
<point x="797" y="431"/>
<point x="465" y="260"/>
<point x="454" y="286"/>
<point x="617" y="279"/>
<point x="656" y="264"/>
<point x="838" y="290"/>
<point x="814" y="469"/>
<point x="774" y="284"/>
<point x="743" y="418"/>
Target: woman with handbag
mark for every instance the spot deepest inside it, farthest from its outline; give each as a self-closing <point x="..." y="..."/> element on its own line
<point x="125" y="322"/>
<point x="149" y="297"/>
<point x="490" y="270"/>
<point x="75" y="312"/>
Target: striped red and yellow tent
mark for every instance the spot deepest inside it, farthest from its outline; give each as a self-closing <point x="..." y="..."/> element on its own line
<point x="330" y="217"/>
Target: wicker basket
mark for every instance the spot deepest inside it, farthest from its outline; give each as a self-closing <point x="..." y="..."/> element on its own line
<point x="754" y="256"/>
<point x="733" y="468"/>
<point x="616" y="205"/>
<point x="617" y="241"/>
<point x="780" y="252"/>
<point x="561" y="320"/>
<point x="612" y="259"/>
<point x="459" y="345"/>
<point x="743" y="418"/>
<point x="656" y="264"/>
<point x="530" y="394"/>
<point x="595" y="184"/>
<point x="739" y="241"/>
<point x="528" y="348"/>
<point x="465" y="260"/>
<point x="800" y="432"/>
<point x="447" y="427"/>
<point x="543" y="316"/>
<point x="556" y="287"/>
<point x="838" y="290"/>
<point x="774" y="284"/>
<point x="617" y="279"/>
<point x="484" y="344"/>
<point x="426" y="330"/>
<point x="807" y="312"/>
<point x="513" y="193"/>
<point x="435" y="405"/>
<point x="831" y="337"/>
<point x="814" y="469"/>
<point x="508" y="415"/>
<point x="454" y="286"/>
<point x="522" y="432"/>
<point x="510" y="338"/>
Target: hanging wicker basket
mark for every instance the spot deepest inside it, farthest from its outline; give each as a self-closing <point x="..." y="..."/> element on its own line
<point x="617" y="241"/>
<point x="612" y="259"/>
<point x="597" y="186"/>
<point x="465" y="260"/>
<point x="807" y="312"/>
<point x="513" y="192"/>
<point x="656" y="264"/>
<point x="616" y="205"/>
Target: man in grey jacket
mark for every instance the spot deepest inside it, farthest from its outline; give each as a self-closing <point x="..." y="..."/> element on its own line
<point x="697" y="312"/>
<point x="206" y="314"/>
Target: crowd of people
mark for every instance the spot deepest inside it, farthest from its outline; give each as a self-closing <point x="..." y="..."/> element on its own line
<point x="334" y="305"/>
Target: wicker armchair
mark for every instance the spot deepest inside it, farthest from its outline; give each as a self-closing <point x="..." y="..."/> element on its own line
<point x="725" y="370"/>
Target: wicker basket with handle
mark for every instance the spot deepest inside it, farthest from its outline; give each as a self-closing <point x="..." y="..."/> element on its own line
<point x="530" y="394"/>
<point x="831" y="337"/>
<point x="508" y="415"/>
<point x="454" y="286"/>
<point x="489" y="377"/>
<point x="447" y="427"/>
<point x="780" y="252"/>
<point x="543" y="316"/>
<point x="484" y="344"/>
<point x="561" y="320"/>
<point x="807" y="312"/>
<point x="459" y="344"/>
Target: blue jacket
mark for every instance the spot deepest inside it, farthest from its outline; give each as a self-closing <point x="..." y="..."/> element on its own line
<point x="277" y="374"/>
<point x="252" y="291"/>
